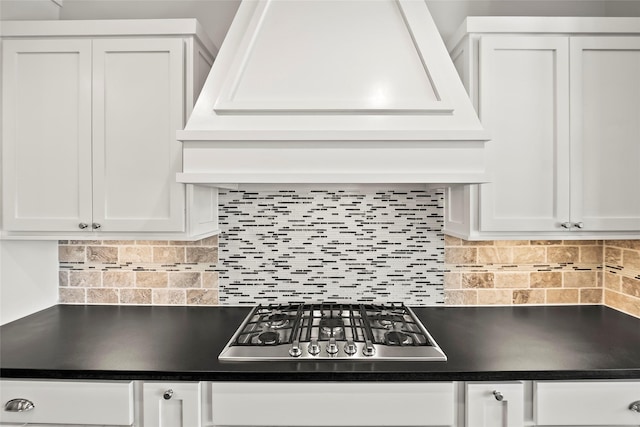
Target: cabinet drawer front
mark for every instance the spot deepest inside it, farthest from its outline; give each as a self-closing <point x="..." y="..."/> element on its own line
<point x="333" y="404"/>
<point x="70" y="402"/>
<point x="586" y="403"/>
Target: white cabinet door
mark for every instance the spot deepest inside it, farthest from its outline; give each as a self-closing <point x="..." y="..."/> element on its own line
<point x="494" y="404"/>
<point x="46" y="134"/>
<point x="138" y="104"/>
<point x="605" y="132"/>
<point x="171" y="404"/>
<point x="586" y="403"/>
<point x="524" y="104"/>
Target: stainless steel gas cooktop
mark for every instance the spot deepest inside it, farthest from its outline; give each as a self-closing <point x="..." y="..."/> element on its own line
<point x="332" y="331"/>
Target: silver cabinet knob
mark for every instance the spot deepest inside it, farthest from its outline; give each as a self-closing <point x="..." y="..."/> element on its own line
<point x="83" y="225"/>
<point x="499" y="397"/>
<point x="95" y="226"/>
<point x="566" y="225"/>
<point x="635" y="406"/>
<point x="19" y="405"/>
<point x="578" y="224"/>
<point x="168" y="394"/>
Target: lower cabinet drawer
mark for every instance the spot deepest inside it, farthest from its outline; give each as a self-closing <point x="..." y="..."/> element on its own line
<point x="68" y="402"/>
<point x="586" y="403"/>
<point x="333" y="404"/>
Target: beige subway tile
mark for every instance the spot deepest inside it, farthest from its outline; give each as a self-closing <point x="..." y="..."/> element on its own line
<point x="546" y="279"/>
<point x="562" y="254"/>
<point x="460" y="255"/>
<point x="461" y="297"/>
<point x="512" y="242"/>
<point x="185" y="279"/>
<point x="210" y="279"/>
<point x="135" y="254"/>
<point x="135" y="296"/>
<point x="563" y="296"/>
<point x="494" y="297"/>
<point x="511" y="279"/>
<point x="582" y="242"/>
<point x="168" y="254"/>
<point x="477" y="243"/>
<point x="477" y="280"/>
<point x="452" y="280"/>
<point x="71" y="254"/>
<point x="625" y="303"/>
<point x="85" y="279"/>
<point x="631" y="286"/>
<point x="580" y="279"/>
<point x="543" y="242"/>
<point x="591" y="296"/>
<point x="184" y="243"/>
<point x="529" y="255"/>
<point x="612" y="281"/>
<point x="118" y="242"/>
<point x="495" y="255"/>
<point x="591" y="254"/>
<point x="202" y="254"/>
<point x="152" y="279"/>
<point x="63" y="278"/>
<point x="202" y="296"/>
<point x="529" y="296"/>
<point x="118" y="279"/>
<point x="612" y="256"/>
<point x="102" y="296"/>
<point x="213" y="241"/>
<point x="85" y="242"/>
<point x="72" y="295"/>
<point x="151" y="242"/>
<point x="452" y="241"/>
<point x="624" y="244"/>
<point x="631" y="259"/>
<point x="169" y="296"/>
<point x="102" y="254"/>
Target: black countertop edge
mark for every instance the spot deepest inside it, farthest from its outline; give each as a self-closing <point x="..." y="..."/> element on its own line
<point x="621" y="374"/>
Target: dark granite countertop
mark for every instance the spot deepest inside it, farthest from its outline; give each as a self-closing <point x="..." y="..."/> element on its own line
<point x="183" y="343"/>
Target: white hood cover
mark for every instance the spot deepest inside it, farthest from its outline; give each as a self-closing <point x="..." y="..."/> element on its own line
<point x="333" y="91"/>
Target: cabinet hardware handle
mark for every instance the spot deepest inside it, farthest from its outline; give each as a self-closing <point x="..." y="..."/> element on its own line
<point x="83" y="225"/>
<point x="566" y="225"/>
<point x="95" y="226"/>
<point x="168" y="394"/>
<point x="498" y="395"/>
<point x="578" y="224"/>
<point x="19" y="405"/>
<point x="635" y="406"/>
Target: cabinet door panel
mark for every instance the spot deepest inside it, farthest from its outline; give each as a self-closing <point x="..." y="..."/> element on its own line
<point x="46" y="134"/>
<point x="605" y="132"/>
<point x="182" y="409"/>
<point x="485" y="410"/>
<point x="523" y="102"/>
<point x="138" y="104"/>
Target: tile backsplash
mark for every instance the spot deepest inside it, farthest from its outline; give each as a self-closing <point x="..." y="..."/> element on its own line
<point x="362" y="245"/>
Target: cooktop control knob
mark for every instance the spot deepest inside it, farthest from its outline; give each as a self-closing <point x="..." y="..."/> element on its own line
<point x="350" y="348"/>
<point x="295" y="350"/>
<point x="332" y="347"/>
<point x="368" y="349"/>
<point x="314" y="348"/>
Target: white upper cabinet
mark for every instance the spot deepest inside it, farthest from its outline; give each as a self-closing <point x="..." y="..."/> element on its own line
<point x="563" y="112"/>
<point x="91" y="111"/>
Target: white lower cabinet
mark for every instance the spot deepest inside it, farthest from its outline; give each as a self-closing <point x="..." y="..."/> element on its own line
<point x="587" y="403"/>
<point x="171" y="404"/>
<point x="73" y="403"/>
<point x="494" y="404"/>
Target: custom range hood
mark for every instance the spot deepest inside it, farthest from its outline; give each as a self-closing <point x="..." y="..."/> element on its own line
<point x="333" y="91"/>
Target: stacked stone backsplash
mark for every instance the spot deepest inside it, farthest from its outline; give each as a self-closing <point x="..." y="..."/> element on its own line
<point x="622" y="275"/>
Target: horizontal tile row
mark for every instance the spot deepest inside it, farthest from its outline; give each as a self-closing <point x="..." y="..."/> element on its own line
<point x="523" y="296"/>
<point x="138" y="296"/>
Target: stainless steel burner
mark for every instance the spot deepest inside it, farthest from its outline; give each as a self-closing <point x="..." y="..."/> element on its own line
<point x="269" y="338"/>
<point x="397" y="338"/>
<point x="277" y="320"/>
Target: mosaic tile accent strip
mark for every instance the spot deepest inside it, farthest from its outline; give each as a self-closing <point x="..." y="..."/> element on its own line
<point x="523" y="272"/>
<point x="138" y="272"/>
<point x="307" y="245"/>
<point x="622" y="275"/>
